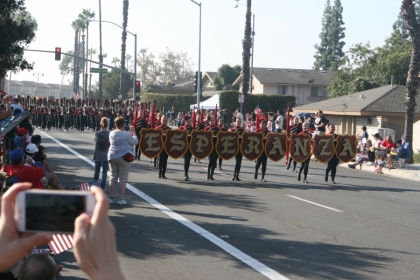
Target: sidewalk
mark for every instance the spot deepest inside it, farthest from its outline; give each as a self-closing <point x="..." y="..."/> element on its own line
<point x="410" y="173"/>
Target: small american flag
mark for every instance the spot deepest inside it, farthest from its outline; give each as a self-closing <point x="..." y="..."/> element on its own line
<point x="85" y="187"/>
<point x="63" y="242"/>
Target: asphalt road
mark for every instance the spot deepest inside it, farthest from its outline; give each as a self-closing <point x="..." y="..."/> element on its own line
<point x="364" y="227"/>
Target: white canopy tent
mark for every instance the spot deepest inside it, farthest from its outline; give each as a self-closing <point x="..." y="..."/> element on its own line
<point x="209" y="103"/>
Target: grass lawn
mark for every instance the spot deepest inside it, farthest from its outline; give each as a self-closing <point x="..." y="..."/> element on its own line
<point x="416" y="158"/>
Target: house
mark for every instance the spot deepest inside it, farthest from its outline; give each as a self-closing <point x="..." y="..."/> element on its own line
<point x="307" y="86"/>
<point x="14" y="87"/>
<point x="208" y="79"/>
<point x="28" y="88"/>
<point x="379" y="108"/>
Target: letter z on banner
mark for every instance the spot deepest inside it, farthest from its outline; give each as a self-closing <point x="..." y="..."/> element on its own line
<point x="176" y="144"/>
<point x="227" y="145"/>
<point x="201" y="144"/>
<point x="252" y="145"/>
<point x="151" y="142"/>
<point x="323" y="147"/>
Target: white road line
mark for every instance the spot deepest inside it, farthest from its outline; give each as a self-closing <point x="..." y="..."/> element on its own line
<point x="217" y="172"/>
<point x="320" y="205"/>
<point x="253" y="263"/>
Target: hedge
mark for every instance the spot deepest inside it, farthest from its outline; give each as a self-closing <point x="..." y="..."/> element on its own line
<point x="268" y="103"/>
<point x="180" y="102"/>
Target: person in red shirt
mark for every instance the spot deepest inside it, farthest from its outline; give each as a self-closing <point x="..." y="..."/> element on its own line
<point x="262" y="160"/>
<point x="304" y="166"/>
<point x="333" y="162"/>
<point x="24" y="173"/>
<point x="386" y="146"/>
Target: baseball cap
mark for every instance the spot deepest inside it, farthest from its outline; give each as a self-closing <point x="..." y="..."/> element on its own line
<point x="16" y="155"/>
<point x="22" y="131"/>
<point x="376" y="134"/>
<point x="31" y="148"/>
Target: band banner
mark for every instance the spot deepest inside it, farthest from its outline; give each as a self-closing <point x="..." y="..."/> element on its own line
<point x="275" y="147"/>
<point x="151" y="142"/>
<point x="300" y="147"/>
<point x="201" y="144"/>
<point x="252" y="145"/>
<point x="323" y="147"/>
<point x="346" y="147"/>
<point x="176" y="143"/>
<point x="227" y="145"/>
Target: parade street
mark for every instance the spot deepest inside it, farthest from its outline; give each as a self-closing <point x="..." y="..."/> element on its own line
<point x="366" y="226"/>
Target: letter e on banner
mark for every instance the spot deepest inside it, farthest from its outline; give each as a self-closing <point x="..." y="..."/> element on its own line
<point x="151" y="142"/>
<point x="176" y="144"/>
<point x="323" y="147"/>
<point x="227" y="145"/>
<point x="275" y="147"/>
<point x="346" y="147"/>
<point x="300" y="147"/>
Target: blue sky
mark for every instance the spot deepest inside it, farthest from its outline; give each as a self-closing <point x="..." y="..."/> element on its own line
<point x="286" y="30"/>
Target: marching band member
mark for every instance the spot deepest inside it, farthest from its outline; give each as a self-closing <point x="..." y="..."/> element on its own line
<point x="187" y="156"/>
<point x="163" y="156"/>
<point x="213" y="156"/>
<point x="262" y="160"/>
<point x="238" y="158"/>
<point x="333" y="162"/>
<point x="222" y="127"/>
<point x="304" y="166"/>
<point x="295" y="129"/>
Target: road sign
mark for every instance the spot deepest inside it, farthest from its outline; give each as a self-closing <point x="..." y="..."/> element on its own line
<point x="241" y="98"/>
<point x="98" y="70"/>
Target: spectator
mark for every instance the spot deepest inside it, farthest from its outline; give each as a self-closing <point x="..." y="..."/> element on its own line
<point x="122" y="143"/>
<point x="320" y="123"/>
<point x="24" y="173"/>
<point x="364" y="133"/>
<point x="376" y="143"/>
<point x="38" y="267"/>
<point x="279" y="121"/>
<point x="271" y="124"/>
<point x="8" y="111"/>
<point x="386" y="147"/>
<point x="101" y="153"/>
<point x="94" y="238"/>
<point x="20" y="139"/>
<point x="41" y="157"/>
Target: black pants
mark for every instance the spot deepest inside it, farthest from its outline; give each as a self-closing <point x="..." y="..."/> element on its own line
<point x="304" y="166"/>
<point x="163" y="162"/>
<point x="262" y="160"/>
<point x="290" y="163"/>
<point x="212" y="163"/>
<point x="371" y="156"/>
<point x="187" y="159"/>
<point x="138" y="152"/>
<point x="331" y="166"/>
<point x="220" y="162"/>
<point x="238" y="163"/>
<point x="61" y="122"/>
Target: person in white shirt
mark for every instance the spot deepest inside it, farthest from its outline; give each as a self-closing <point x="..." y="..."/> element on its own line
<point x="279" y="121"/>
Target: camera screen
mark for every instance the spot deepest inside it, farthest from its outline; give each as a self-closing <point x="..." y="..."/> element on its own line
<point x="53" y="213"/>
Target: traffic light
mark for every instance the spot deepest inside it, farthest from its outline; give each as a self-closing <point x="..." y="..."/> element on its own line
<point x="137" y="86"/>
<point x="57" y="53"/>
<point x="195" y="81"/>
<point x="201" y="80"/>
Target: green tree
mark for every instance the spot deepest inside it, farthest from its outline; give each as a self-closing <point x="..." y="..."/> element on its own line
<point x="17" y="31"/>
<point x="329" y="53"/>
<point x="226" y="75"/>
<point x="111" y="85"/>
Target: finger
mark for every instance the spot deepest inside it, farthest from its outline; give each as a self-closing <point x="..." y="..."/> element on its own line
<point x="102" y="205"/>
<point x="27" y="243"/>
<point x="9" y="198"/>
<point x="81" y="227"/>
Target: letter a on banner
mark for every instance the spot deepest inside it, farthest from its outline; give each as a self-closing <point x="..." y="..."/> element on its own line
<point x="324" y="147"/>
<point x="346" y="147"/>
<point x="300" y="147"/>
<point x="227" y="145"/>
<point x="176" y="144"/>
<point x="151" y="142"/>
<point x="275" y="147"/>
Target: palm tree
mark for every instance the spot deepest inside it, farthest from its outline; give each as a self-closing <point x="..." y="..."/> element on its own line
<point x="85" y="15"/>
<point x="128" y="58"/>
<point x="91" y="52"/>
<point x="124" y="39"/>
<point x="115" y="61"/>
<point x="77" y="25"/>
<point x="246" y="54"/>
<point x="100" y="50"/>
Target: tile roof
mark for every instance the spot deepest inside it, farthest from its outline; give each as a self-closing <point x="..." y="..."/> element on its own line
<point x="290" y="76"/>
<point x="385" y="99"/>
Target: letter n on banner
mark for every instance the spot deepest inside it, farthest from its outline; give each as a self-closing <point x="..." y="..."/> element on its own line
<point x="151" y="142"/>
<point x="300" y="147"/>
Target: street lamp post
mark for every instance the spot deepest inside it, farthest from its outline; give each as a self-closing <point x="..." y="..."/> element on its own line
<point x="37" y="80"/>
<point x="199" y="59"/>
<point x="87" y="93"/>
<point x="135" y="54"/>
